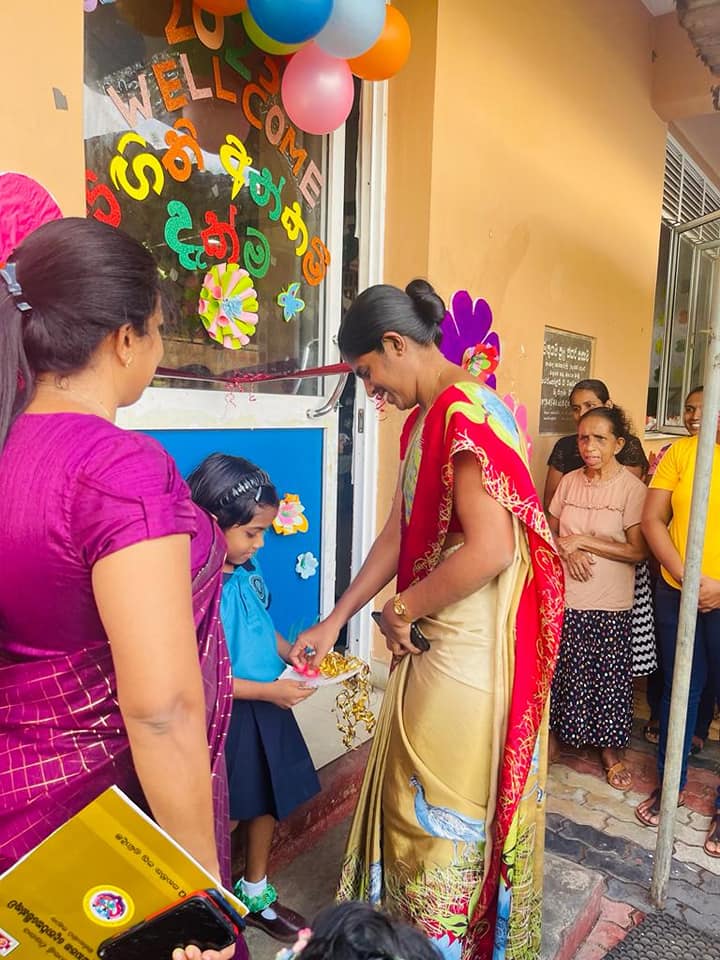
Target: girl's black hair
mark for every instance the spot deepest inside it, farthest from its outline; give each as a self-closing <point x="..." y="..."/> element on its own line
<point x="80" y="281"/>
<point x="699" y="389"/>
<point x="231" y="488"/>
<point x="615" y="416"/>
<point x="594" y="386"/>
<point x="356" y="931"/>
<point x="415" y="312"/>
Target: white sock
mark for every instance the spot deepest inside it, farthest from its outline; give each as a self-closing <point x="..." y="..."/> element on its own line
<point x="255" y="890"/>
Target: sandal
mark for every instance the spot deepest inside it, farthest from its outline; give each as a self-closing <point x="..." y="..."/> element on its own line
<point x="713" y="834"/>
<point x="651" y="732"/>
<point x="649" y="817"/>
<point x="613" y="774"/>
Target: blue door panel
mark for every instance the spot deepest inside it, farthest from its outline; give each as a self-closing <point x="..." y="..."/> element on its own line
<point x="293" y="458"/>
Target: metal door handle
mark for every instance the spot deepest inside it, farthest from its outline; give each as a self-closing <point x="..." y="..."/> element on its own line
<point x="332" y="401"/>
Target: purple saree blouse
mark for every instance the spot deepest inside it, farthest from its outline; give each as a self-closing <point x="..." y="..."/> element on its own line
<point x="75" y="488"/>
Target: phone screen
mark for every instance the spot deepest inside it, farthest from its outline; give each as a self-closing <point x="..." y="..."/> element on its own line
<point x="196" y="921"/>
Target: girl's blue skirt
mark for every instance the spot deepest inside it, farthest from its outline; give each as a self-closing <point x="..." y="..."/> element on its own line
<point x="269" y="767"/>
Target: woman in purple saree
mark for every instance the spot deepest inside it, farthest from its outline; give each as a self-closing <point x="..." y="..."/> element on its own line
<point x="113" y="666"/>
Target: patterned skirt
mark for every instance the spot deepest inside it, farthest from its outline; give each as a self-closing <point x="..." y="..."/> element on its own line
<point x="592" y="691"/>
<point x="644" y="645"/>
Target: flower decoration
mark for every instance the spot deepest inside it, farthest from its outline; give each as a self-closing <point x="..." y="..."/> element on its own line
<point x="481" y="360"/>
<point x="290" y="517"/>
<point x="467" y="339"/>
<point x="228" y="305"/>
<point x="306" y="565"/>
<point x="521" y="416"/>
<point x="291" y="303"/>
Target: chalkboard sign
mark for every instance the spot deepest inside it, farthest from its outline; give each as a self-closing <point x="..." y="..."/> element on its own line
<point x="566" y="359"/>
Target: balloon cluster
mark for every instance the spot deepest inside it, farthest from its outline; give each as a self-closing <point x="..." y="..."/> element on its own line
<point x="328" y="41"/>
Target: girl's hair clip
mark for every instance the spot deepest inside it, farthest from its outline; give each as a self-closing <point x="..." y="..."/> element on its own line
<point x="291" y="953"/>
<point x="9" y="275"/>
<point x="256" y="482"/>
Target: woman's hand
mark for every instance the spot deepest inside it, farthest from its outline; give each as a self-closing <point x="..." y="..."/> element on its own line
<point x="578" y="561"/>
<point x="195" y="953"/>
<point x="709" y="598"/>
<point x="288" y="693"/>
<point x="396" y="632"/>
<point x="320" y="639"/>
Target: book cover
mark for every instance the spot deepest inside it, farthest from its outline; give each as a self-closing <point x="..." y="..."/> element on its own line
<point x="103" y="871"/>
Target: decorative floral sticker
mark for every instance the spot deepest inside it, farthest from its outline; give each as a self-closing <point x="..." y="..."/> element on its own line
<point x="467" y="339"/>
<point x="306" y="565"/>
<point x="290" y="517"/>
<point x="291" y="303"/>
<point x="228" y="305"/>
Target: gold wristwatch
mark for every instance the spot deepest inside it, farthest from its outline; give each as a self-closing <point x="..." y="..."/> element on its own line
<point x="400" y="609"/>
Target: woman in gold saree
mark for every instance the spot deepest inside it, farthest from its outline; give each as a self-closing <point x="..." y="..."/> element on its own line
<point x="448" y="830"/>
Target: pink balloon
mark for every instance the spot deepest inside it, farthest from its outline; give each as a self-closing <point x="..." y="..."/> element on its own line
<point x="317" y="90"/>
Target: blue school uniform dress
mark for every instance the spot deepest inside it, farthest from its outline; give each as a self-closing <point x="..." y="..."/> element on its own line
<point x="269" y="767"/>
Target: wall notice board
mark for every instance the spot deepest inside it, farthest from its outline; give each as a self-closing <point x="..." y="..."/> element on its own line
<point x="567" y="358"/>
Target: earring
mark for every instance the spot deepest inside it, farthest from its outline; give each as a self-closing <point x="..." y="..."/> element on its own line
<point x="129" y="360"/>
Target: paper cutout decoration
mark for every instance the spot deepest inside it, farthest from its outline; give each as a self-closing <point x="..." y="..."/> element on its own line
<point x="306" y="565"/>
<point x="291" y="303"/>
<point x="467" y="339"/>
<point x="290" y="517"/>
<point x="25" y="205"/>
<point x="228" y="305"/>
<point x="521" y="416"/>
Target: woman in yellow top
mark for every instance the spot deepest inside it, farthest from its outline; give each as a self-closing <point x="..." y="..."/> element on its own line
<point x="665" y="525"/>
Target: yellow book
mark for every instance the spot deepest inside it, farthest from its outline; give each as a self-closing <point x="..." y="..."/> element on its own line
<point x="103" y="871"/>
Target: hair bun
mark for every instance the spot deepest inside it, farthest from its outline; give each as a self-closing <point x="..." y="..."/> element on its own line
<point x="428" y="304"/>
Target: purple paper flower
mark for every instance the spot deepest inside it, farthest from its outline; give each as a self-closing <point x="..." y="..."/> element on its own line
<point x="467" y="324"/>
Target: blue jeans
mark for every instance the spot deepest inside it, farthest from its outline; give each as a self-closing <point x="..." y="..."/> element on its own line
<point x="706" y="663"/>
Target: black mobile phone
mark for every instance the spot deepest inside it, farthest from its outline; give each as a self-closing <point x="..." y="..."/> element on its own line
<point x="417" y="637"/>
<point x="197" y="921"/>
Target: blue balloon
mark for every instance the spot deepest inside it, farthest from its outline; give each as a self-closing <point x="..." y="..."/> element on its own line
<point x="291" y="21"/>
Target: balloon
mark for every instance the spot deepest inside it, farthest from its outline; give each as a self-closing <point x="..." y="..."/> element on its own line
<point x="222" y="8"/>
<point x="389" y="54"/>
<point x="317" y="90"/>
<point x="291" y="21"/>
<point x="262" y="40"/>
<point x="353" y="27"/>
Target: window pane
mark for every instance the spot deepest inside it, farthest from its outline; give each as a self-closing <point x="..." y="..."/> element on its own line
<point x="659" y="325"/>
<point x="678" y="344"/>
<point x="189" y="150"/>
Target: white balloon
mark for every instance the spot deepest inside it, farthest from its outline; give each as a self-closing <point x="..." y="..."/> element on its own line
<point x="353" y="27"/>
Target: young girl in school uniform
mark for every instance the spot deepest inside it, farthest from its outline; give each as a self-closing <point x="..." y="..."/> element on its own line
<point x="270" y="771"/>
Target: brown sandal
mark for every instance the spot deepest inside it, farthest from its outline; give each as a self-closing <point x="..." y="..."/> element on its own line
<point x="644" y="816"/>
<point x="713" y="835"/>
<point x="613" y="772"/>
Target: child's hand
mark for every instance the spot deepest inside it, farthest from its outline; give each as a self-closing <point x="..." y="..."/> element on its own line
<point x="288" y="693"/>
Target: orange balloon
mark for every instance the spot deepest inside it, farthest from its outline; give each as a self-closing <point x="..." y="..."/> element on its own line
<point x="390" y="51"/>
<point x="223" y="8"/>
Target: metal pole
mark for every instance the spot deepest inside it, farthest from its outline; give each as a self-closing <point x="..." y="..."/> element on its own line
<point x="688" y="603"/>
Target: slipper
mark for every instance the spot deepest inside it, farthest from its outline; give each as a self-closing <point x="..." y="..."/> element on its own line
<point x="713" y="836"/>
<point x="612" y="773"/>
<point x="651" y="732"/>
<point x="654" y="810"/>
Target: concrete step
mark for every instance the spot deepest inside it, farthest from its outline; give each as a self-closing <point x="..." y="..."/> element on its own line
<point x="572" y="900"/>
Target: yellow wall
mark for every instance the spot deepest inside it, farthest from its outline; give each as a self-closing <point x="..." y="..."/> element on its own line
<point x="545" y="184"/>
<point x="42" y="49"/>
